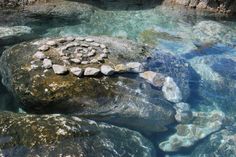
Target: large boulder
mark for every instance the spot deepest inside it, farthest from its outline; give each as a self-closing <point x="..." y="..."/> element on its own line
<point x="58" y="135"/>
<point x="123" y="98"/>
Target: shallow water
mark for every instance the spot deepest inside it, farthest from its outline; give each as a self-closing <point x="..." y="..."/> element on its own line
<point x="170" y="31"/>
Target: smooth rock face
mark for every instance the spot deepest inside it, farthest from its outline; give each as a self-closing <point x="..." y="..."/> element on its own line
<point x="47" y="63"/>
<point x="59" y="69"/>
<point x="107" y="70"/>
<point x="91" y="71"/>
<point x="55" y="134"/>
<point x="76" y="71"/>
<point x="171" y="91"/>
<point x="156" y="79"/>
<point x="188" y="134"/>
<point x="135" y="67"/>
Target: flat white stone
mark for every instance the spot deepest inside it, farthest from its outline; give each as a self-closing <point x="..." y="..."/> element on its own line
<point x="91" y="71"/>
<point x="80" y="38"/>
<point x="47" y="63"/>
<point x="156" y="79"/>
<point x="84" y="45"/>
<point x="95" y="44"/>
<point x="92" y="53"/>
<point x="93" y="61"/>
<point x="39" y="55"/>
<point x="70" y="38"/>
<point x="107" y="70"/>
<point x="77" y="61"/>
<point x="89" y="40"/>
<point x="135" y="67"/>
<point x="85" y="62"/>
<point x="121" y="68"/>
<point x="171" y="91"/>
<point x="51" y="43"/>
<point x="43" y="48"/>
<point x="59" y="69"/>
<point x="103" y="55"/>
<point x="76" y="71"/>
<point x="102" y="46"/>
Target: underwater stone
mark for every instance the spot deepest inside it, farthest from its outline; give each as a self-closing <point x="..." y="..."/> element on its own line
<point x="156" y="79"/>
<point x="203" y="124"/>
<point x="107" y="70"/>
<point x="171" y="91"/>
<point x="47" y="63"/>
<point x="59" y="69"/>
<point x="135" y="67"/>
<point x="92" y="53"/>
<point x="43" y="48"/>
<point x="91" y="71"/>
<point x="85" y="62"/>
<point x="182" y="106"/>
<point x="183" y="117"/>
<point x="80" y="38"/>
<point x="39" y="55"/>
<point x="76" y="71"/>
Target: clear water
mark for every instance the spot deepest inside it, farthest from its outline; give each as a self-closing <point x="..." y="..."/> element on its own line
<point x="214" y="63"/>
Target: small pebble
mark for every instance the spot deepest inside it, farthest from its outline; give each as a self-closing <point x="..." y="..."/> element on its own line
<point x="103" y="55"/>
<point x="76" y="71"/>
<point x="70" y="39"/>
<point x="103" y="46"/>
<point x="80" y="38"/>
<point x="91" y="71"/>
<point x="65" y="58"/>
<point x="95" y="44"/>
<point x="47" y="63"/>
<point x="61" y="40"/>
<point x="107" y="70"/>
<point x="85" y="62"/>
<point x="92" y="53"/>
<point x="84" y="45"/>
<point x="59" y="69"/>
<point x="93" y="61"/>
<point x="105" y="51"/>
<point x="39" y="55"/>
<point x="51" y="43"/>
<point x="89" y="40"/>
<point x="77" y="61"/>
<point x="43" y="48"/>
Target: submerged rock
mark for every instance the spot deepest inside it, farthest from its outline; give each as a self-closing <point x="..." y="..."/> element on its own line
<point x="107" y="70"/>
<point x="222" y="143"/>
<point x="91" y="71"/>
<point x="171" y="91"/>
<point x="187" y="135"/>
<point x="156" y="79"/>
<point x="54" y="135"/>
<point x="6" y="32"/>
<point x="211" y="32"/>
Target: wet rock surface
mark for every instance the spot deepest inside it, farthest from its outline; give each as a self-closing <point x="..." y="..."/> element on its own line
<point x="122" y="99"/>
<point x="58" y="135"/>
<point x="202" y="125"/>
<point x="7" y="32"/>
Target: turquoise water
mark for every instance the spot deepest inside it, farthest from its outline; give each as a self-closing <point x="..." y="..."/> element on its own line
<point x="170" y="31"/>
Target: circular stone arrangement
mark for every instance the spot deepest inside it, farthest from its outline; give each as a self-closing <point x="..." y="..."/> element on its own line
<point x="76" y="55"/>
